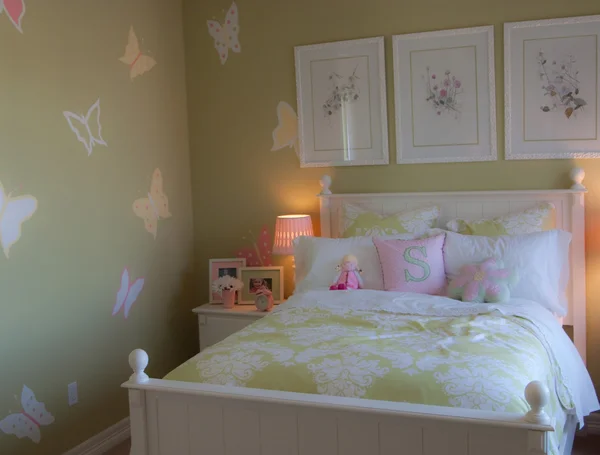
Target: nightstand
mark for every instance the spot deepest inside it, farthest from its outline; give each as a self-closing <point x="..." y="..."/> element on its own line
<point x="216" y="324"/>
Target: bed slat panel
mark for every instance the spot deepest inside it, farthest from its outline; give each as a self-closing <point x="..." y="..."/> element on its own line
<point x="173" y="421"/>
<point x="358" y="438"/>
<point x="448" y="439"/>
<point x="279" y="432"/>
<point x="206" y="429"/>
<point x="317" y="433"/>
<point x="480" y="438"/>
<point x="397" y="439"/>
<point x="241" y="431"/>
<point x="181" y="424"/>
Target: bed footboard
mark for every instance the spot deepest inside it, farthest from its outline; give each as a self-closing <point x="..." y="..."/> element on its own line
<point x="172" y="418"/>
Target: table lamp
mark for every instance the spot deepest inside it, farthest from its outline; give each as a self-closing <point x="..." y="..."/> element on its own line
<point x="288" y="228"/>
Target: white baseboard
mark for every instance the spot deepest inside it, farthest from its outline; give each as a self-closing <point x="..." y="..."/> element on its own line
<point x="592" y="423"/>
<point x="103" y="441"/>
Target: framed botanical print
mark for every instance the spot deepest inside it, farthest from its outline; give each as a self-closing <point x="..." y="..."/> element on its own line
<point x="342" y="113"/>
<point x="445" y="96"/>
<point x="551" y="86"/>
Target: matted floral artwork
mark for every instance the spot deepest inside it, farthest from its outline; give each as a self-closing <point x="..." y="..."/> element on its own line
<point x="445" y="100"/>
<point x="551" y="86"/>
<point x="342" y="114"/>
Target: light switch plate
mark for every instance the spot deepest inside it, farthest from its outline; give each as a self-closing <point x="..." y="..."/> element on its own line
<point x="73" y="395"/>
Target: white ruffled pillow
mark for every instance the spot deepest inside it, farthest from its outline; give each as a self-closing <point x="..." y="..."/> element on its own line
<point x="540" y="261"/>
<point x="317" y="257"/>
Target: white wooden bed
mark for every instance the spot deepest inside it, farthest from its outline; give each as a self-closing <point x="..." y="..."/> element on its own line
<point x="172" y="418"/>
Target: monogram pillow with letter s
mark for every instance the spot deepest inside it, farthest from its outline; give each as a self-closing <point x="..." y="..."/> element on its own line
<point x="413" y="265"/>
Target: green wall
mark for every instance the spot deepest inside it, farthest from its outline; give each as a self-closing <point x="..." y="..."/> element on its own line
<point x="239" y="184"/>
<point x="58" y="287"/>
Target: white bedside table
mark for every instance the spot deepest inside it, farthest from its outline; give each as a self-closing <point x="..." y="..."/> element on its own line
<point x="216" y="324"/>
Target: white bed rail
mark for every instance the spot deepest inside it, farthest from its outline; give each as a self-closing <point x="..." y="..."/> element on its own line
<point x="172" y="418"/>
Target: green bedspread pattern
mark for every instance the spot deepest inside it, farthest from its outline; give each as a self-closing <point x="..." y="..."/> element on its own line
<point x="479" y="361"/>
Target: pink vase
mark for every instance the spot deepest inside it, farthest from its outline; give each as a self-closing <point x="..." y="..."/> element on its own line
<point x="228" y="299"/>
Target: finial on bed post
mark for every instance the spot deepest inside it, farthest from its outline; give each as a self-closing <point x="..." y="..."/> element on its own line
<point x="325" y="183"/>
<point x="577" y="175"/>
<point x="138" y="361"/>
<point x="537" y="396"/>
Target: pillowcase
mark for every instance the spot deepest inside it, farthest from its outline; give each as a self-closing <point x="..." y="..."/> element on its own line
<point x="539" y="218"/>
<point x="412" y="265"/>
<point x="317" y="257"/>
<point x="540" y="260"/>
<point x="357" y="221"/>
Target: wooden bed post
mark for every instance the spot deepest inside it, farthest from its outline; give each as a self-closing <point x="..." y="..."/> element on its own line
<point x="537" y="396"/>
<point x="578" y="257"/>
<point x="324" y="207"/>
<point x="138" y="361"/>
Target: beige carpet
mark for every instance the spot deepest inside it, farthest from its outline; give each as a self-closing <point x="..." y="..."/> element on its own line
<point x="586" y="445"/>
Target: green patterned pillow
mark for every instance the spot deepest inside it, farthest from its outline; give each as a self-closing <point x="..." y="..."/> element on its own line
<point x="542" y="217"/>
<point x="358" y="222"/>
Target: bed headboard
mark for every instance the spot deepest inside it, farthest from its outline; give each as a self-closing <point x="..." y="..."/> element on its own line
<point x="570" y="217"/>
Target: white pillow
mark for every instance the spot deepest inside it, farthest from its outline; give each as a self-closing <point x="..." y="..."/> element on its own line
<point x="540" y="260"/>
<point x="317" y="257"/>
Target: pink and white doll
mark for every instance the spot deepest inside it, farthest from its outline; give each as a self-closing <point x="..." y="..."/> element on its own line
<point x="348" y="276"/>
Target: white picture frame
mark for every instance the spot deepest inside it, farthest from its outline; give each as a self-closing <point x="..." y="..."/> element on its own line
<point x="551" y="88"/>
<point x="218" y="267"/>
<point x="342" y="111"/>
<point x="272" y="274"/>
<point x="444" y="85"/>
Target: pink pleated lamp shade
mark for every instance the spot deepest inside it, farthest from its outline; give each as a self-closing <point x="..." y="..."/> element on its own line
<point x="287" y="228"/>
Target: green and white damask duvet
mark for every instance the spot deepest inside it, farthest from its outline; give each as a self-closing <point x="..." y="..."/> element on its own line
<point x="403" y="347"/>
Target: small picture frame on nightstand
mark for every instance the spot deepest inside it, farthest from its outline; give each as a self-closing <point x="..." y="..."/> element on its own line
<point x="256" y="279"/>
<point x="221" y="267"/>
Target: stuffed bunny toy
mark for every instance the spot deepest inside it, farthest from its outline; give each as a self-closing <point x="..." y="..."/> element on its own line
<point x="348" y="276"/>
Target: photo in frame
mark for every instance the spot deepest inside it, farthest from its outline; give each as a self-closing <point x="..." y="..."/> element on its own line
<point x="342" y="112"/>
<point x="221" y="267"/>
<point x="258" y="279"/>
<point x="551" y="88"/>
<point x="444" y="85"/>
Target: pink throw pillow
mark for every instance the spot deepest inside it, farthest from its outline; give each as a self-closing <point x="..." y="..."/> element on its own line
<point x="412" y="265"/>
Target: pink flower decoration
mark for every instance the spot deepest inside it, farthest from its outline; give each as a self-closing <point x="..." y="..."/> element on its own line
<point x="443" y="92"/>
<point x="457" y="84"/>
<point x="481" y="280"/>
<point x="433" y="76"/>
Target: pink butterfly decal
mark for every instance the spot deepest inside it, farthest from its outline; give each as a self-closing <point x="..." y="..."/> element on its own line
<point x="27" y="423"/>
<point x="15" y="10"/>
<point x="127" y="294"/>
<point x="260" y="253"/>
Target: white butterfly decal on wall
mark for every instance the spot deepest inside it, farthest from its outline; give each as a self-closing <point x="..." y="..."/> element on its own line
<point x="226" y="36"/>
<point x="15" y="10"/>
<point x="127" y="293"/>
<point x="286" y="132"/>
<point x="27" y="423"/>
<point x="87" y="129"/>
<point x="14" y="211"/>
<point x="155" y="206"/>
<point x="138" y="62"/>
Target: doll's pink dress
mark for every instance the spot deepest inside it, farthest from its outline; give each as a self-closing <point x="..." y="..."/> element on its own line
<point x="347" y="280"/>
